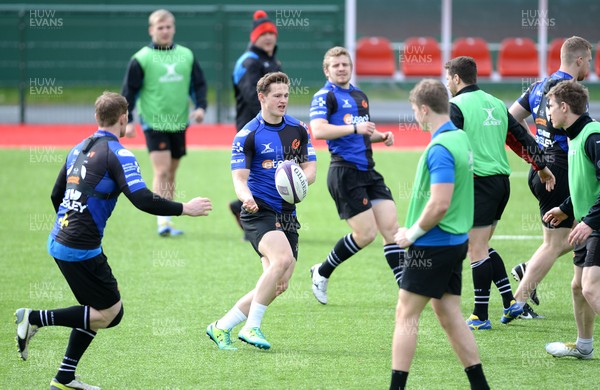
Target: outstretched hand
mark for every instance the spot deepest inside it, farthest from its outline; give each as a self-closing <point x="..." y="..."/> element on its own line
<point x="197" y="207"/>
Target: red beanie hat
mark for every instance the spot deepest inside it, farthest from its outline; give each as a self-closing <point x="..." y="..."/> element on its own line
<point x="262" y="24"/>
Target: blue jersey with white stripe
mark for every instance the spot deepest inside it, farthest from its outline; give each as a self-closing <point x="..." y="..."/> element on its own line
<point x="339" y="106"/>
<point x="261" y="147"/>
<point x="108" y="168"/>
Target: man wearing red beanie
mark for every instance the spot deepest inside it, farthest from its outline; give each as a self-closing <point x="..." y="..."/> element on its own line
<point x="256" y="62"/>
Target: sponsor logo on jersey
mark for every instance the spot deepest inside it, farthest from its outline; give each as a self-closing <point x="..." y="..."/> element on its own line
<point x="63" y="221"/>
<point x="364" y="104"/>
<point x="295" y="143"/>
<point x="171" y="75"/>
<point x="125" y="153"/>
<point x="267" y="148"/>
<point x="71" y="200"/>
<point x="237" y="148"/>
<point x="136" y="181"/>
<point x="270" y="164"/>
<point x="490" y="120"/>
<point x="346" y="103"/>
<point x="350" y="119"/>
<point x="320" y="101"/>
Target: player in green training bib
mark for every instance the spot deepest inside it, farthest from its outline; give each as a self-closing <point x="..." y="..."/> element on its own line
<point x="161" y="78"/>
<point x="440" y="215"/>
<point x="489" y="127"/>
<point x="567" y="103"/>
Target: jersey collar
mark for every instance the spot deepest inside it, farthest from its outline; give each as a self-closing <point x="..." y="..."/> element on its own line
<point x="559" y="74"/>
<point x="104" y="133"/>
<point x="445" y="127"/>
<point x="333" y="86"/>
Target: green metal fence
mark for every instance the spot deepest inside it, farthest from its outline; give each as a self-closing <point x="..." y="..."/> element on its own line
<point x="58" y="46"/>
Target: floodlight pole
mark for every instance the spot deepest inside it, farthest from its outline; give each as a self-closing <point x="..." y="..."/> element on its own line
<point x="543" y="21"/>
<point x="350" y="33"/>
<point x="446" y="34"/>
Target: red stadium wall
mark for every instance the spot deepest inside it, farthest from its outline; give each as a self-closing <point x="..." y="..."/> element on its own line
<point x="407" y="136"/>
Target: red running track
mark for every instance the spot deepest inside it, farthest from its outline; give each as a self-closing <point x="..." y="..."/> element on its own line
<point x="407" y="136"/>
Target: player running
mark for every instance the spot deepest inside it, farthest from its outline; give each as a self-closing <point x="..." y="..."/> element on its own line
<point x="269" y="222"/>
<point x="96" y="172"/>
<point x="575" y="57"/>
<point x="339" y="113"/>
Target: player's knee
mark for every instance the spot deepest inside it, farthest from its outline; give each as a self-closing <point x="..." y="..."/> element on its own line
<point x="576" y="287"/>
<point x="591" y="294"/>
<point x="117" y="319"/>
<point x="282" y="263"/>
<point x="365" y="237"/>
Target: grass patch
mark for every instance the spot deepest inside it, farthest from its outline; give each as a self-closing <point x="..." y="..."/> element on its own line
<point x="173" y="288"/>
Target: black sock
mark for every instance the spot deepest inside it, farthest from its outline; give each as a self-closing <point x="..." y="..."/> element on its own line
<point x="71" y="317"/>
<point x="342" y="251"/>
<point x="477" y="378"/>
<point x="78" y="342"/>
<point x="395" y="258"/>
<point x="482" y="282"/>
<point x="500" y="278"/>
<point x="398" y="380"/>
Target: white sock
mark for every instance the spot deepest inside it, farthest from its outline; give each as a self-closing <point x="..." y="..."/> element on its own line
<point x="231" y="319"/>
<point x="257" y="311"/>
<point x="521" y="304"/>
<point x="585" y="345"/>
<point x="163" y="220"/>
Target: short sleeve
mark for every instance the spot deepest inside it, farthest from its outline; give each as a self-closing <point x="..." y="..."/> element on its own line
<point x="441" y="165"/>
<point x="242" y="150"/>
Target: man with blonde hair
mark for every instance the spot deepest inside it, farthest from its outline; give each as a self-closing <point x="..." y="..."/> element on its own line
<point x="575" y="58"/>
<point x="95" y="173"/>
<point x="162" y="77"/>
<point x="339" y="113"/>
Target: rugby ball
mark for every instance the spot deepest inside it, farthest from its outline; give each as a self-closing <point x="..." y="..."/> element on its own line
<point x="291" y="182"/>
